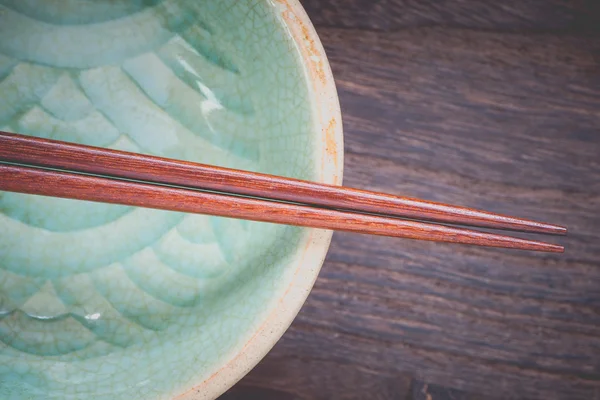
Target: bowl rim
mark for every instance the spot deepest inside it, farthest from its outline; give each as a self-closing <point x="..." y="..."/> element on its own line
<point x="327" y="115"/>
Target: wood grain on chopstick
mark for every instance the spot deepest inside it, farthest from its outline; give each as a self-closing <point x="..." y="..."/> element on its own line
<point x="70" y="156"/>
<point x="38" y="181"/>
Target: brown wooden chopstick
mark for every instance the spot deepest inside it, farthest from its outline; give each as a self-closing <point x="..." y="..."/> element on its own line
<point x="39" y="181"/>
<point x="69" y="156"/>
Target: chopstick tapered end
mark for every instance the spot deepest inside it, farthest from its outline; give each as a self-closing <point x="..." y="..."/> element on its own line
<point x="553" y="229"/>
<point x="535" y="245"/>
<point x="537" y="227"/>
<point x="555" y="248"/>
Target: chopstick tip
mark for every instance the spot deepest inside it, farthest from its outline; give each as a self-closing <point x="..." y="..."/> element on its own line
<point x="556" y="229"/>
<point x="525" y="244"/>
<point x="550" y="229"/>
<point x="555" y="248"/>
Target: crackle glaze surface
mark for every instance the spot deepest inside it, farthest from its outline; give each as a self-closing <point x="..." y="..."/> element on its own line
<point x="103" y="301"/>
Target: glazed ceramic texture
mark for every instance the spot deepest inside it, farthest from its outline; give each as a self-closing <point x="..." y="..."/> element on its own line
<point x="102" y="301"/>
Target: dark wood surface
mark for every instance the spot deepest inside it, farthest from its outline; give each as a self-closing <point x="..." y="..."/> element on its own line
<point x="489" y="104"/>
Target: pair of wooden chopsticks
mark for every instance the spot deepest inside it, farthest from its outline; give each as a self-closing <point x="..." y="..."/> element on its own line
<point x="60" y="169"/>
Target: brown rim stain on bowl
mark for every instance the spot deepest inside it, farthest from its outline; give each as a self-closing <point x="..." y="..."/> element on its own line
<point x="330" y="144"/>
<point x="309" y="50"/>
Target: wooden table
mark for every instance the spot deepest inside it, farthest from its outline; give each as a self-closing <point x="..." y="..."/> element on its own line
<point x="484" y="103"/>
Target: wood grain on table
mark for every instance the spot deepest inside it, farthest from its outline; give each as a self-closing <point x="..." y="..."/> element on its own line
<point x="483" y="103"/>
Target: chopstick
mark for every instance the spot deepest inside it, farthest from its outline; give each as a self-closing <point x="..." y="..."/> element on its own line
<point x="100" y="161"/>
<point x="39" y="181"/>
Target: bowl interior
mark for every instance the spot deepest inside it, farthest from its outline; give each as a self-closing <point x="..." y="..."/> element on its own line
<point x="112" y="302"/>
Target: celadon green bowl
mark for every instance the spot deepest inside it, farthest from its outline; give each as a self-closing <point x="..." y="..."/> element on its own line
<point x="111" y="302"/>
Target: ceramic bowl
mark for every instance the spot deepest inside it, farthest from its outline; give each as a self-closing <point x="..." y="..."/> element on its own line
<point x="111" y="302"/>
